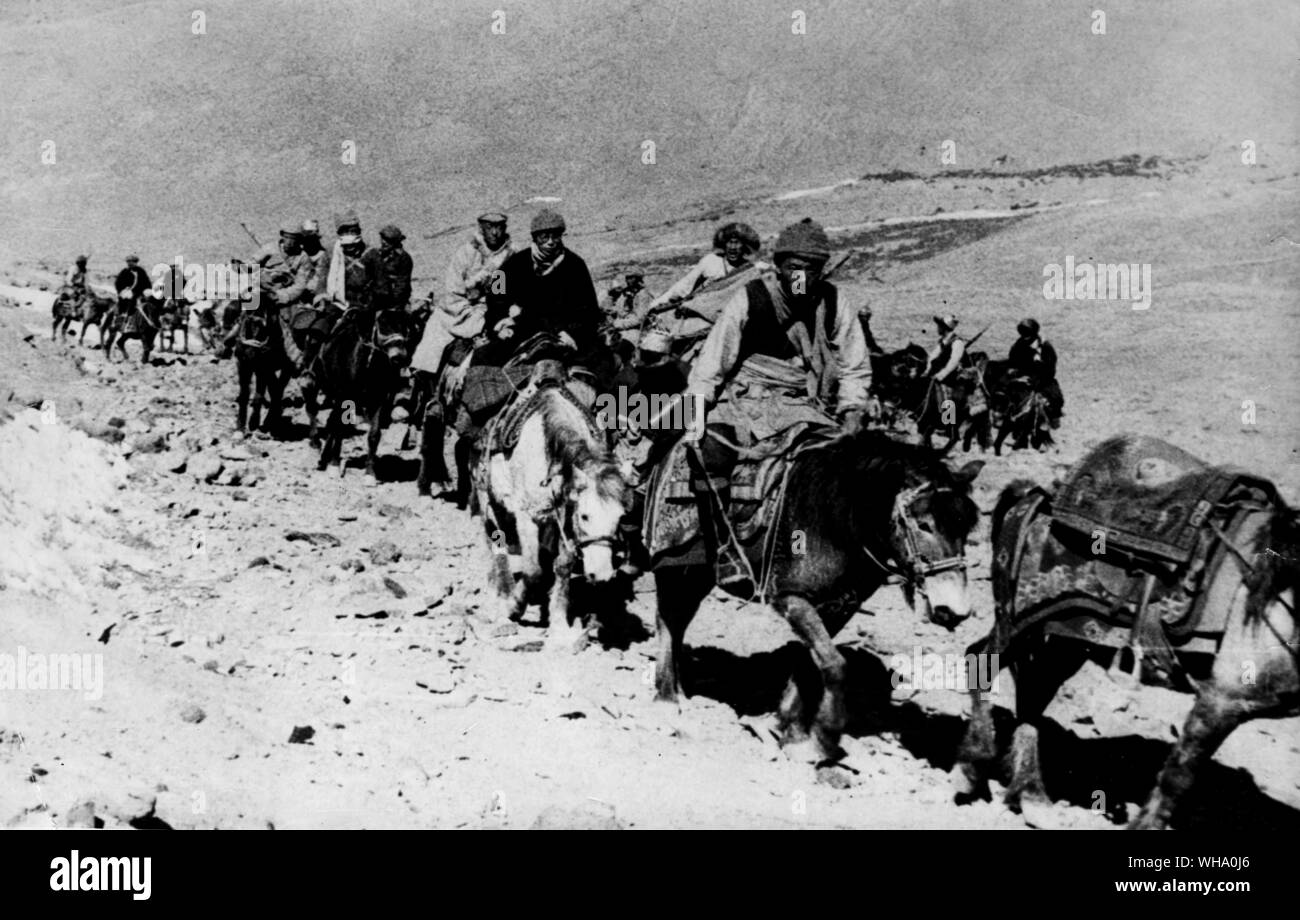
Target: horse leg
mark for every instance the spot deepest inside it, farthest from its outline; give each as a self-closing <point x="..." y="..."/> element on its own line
<point x="831" y="716"/>
<point x="557" y="602"/>
<point x="241" y="413"/>
<point x="1039" y="674"/>
<point x="464" y="454"/>
<point x="979" y="745"/>
<point x="678" y="593"/>
<point x="331" y="432"/>
<point x="259" y="398"/>
<point x="530" y="572"/>
<point x="499" y="577"/>
<point x="1003" y="430"/>
<point x="433" y="431"/>
<point x="311" y="406"/>
<point x="372" y="437"/>
<point x="1255" y="674"/>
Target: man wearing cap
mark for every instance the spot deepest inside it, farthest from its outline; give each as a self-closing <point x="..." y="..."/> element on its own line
<point x="392" y="284"/>
<point x="449" y="334"/>
<point x="76" y="283"/>
<point x="945" y="357"/>
<point x="1033" y="357"/>
<point x="319" y="256"/>
<point x="545" y="288"/>
<point x="131" y="284"/>
<point x="627" y="304"/>
<point x="353" y="267"/>
<point x="780" y="354"/>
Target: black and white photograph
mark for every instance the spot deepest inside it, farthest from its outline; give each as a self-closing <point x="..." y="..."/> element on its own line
<point x="650" y="414"/>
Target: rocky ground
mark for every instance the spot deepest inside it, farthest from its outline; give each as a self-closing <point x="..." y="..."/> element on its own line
<point x="286" y="648"/>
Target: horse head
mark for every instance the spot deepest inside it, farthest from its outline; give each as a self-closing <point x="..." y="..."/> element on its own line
<point x="596" y="497"/>
<point x="932" y="515"/>
<point x="389" y="337"/>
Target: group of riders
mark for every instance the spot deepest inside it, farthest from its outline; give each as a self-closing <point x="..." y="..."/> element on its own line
<point x="782" y="350"/>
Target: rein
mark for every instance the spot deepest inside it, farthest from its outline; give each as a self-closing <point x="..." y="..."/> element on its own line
<point x="915" y="568"/>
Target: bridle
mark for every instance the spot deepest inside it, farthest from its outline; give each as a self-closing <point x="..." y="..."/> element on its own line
<point x="913" y="566"/>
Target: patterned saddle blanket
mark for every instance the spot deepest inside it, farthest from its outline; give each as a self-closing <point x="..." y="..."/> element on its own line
<point x="671" y="517"/>
<point x="502" y="433"/>
<point x="1169" y="590"/>
<point x="1149" y="498"/>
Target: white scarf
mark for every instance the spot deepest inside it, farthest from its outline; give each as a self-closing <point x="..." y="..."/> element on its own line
<point x="541" y="267"/>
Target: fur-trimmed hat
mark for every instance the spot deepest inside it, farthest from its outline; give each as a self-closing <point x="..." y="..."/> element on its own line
<point x="392" y="234"/>
<point x="743" y="232"/>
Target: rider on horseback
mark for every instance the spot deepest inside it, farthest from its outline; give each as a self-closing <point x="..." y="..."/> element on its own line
<point x="780" y="354"/>
<point x="449" y="333"/>
<point x="131" y="284"/>
<point x="1034" y="357"/>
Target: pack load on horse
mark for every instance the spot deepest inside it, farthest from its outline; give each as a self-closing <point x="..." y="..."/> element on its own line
<point x="769" y="504"/>
<point x="550" y="496"/>
<point x="447" y="343"/>
<point x="1173" y="572"/>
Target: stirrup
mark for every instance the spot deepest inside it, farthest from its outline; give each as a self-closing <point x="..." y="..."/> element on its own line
<point x="732" y="569"/>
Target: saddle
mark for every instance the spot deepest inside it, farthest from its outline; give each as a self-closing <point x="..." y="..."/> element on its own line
<point x="1163" y="589"/>
<point x="502" y="433"/>
<point x="671" y="516"/>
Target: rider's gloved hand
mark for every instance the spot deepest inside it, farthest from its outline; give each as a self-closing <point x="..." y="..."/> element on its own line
<point x="567" y="339"/>
<point x="872" y="409"/>
<point x="852" y="420"/>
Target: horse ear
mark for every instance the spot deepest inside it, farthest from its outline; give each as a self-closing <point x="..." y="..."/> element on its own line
<point x="966" y="475"/>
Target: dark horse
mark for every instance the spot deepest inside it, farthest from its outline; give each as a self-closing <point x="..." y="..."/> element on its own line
<point x="834" y="544"/>
<point x="359" y="370"/>
<point x="139" y="321"/>
<point x="1246" y="669"/>
<point x="260" y="360"/>
<point x="1025" y="413"/>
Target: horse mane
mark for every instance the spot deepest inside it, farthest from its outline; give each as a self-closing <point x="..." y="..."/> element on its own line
<point x="864" y="472"/>
<point x="570" y="444"/>
<point x="1276" y="563"/>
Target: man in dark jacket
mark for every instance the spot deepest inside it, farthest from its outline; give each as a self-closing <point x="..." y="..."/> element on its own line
<point x="131" y="284"/>
<point x="545" y="288"/>
<point x="392" y="285"/>
<point x="1034" y="357"/>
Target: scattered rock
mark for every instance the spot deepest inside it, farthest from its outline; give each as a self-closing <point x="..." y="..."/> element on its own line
<point x="397" y="589"/>
<point x="384" y="552"/>
<point x="193" y="715"/>
<point x="235" y="452"/>
<point x="352" y="565"/>
<point x="315" y="539"/>
<point x="82" y="815"/>
<point x="204" y="466"/>
<point x="148" y="444"/>
<point x="301" y="734"/>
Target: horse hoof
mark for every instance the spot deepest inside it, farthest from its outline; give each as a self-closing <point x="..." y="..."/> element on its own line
<point x="806" y="751"/>
<point x="1041" y="814"/>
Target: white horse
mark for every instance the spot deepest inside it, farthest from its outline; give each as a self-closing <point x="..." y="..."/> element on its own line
<point x="554" y="501"/>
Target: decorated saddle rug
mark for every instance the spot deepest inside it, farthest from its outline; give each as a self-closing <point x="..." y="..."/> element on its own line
<point x="671" y="518"/>
<point x="1149" y="497"/>
<point x="1168" y="588"/>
